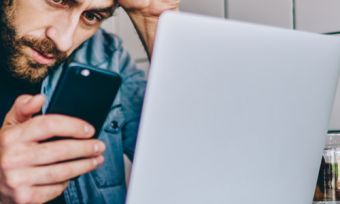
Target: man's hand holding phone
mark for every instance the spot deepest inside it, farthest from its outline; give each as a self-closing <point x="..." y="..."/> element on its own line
<point x="34" y="171"/>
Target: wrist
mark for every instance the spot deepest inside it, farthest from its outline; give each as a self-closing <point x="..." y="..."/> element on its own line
<point x="146" y="27"/>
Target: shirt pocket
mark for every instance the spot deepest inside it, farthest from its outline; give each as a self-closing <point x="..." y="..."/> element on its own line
<point x="111" y="173"/>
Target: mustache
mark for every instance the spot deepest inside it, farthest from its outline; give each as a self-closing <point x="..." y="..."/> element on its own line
<point x="44" y="46"/>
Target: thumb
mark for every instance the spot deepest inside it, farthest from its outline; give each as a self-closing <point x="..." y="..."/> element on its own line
<point x="24" y="107"/>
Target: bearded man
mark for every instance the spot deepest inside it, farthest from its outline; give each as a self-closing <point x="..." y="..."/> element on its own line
<point x="38" y="37"/>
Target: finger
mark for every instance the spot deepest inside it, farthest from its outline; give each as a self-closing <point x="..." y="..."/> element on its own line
<point x="23" y="109"/>
<point x="134" y="4"/>
<point x="56" y="173"/>
<point x="59" y="151"/>
<point x="61" y="172"/>
<point x="51" y="174"/>
<point x="40" y="194"/>
<point x="43" y="194"/>
<point x="45" y="127"/>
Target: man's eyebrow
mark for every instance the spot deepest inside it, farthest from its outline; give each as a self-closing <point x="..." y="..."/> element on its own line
<point x="108" y="10"/>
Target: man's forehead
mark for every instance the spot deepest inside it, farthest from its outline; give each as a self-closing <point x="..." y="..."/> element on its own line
<point x="96" y="3"/>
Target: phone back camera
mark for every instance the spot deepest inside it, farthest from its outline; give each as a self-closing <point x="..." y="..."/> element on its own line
<point x="85" y="72"/>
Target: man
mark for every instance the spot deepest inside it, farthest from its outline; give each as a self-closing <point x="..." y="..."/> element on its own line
<point x="37" y="38"/>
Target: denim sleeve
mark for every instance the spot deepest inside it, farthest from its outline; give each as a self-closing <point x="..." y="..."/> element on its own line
<point x="132" y="95"/>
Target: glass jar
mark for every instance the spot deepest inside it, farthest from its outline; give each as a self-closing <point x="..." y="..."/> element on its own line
<point x="327" y="190"/>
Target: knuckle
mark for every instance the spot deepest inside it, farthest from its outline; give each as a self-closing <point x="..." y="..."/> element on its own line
<point x="22" y="98"/>
<point x="56" y="175"/>
<point x="14" y="181"/>
<point x="63" y="152"/>
<point x="52" y="176"/>
<point x="69" y="172"/>
<point x="54" y="152"/>
<point x="22" y="196"/>
<point x="6" y="136"/>
<point x="6" y="161"/>
<point x="41" y="154"/>
<point x="46" y="123"/>
<point x="13" y="156"/>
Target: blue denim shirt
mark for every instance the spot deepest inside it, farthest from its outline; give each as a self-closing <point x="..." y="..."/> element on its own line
<point x="107" y="183"/>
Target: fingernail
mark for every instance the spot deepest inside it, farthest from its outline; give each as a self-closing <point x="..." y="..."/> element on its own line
<point x="100" y="160"/>
<point x="96" y="148"/>
<point x="40" y="96"/>
<point x="97" y="161"/>
<point x="94" y="162"/>
<point x="99" y="147"/>
<point x="88" y="129"/>
<point x="102" y="147"/>
<point x="26" y="99"/>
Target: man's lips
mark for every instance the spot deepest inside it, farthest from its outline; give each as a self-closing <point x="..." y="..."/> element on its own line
<point x="42" y="58"/>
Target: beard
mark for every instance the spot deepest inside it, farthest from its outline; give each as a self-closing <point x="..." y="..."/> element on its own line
<point x="12" y="57"/>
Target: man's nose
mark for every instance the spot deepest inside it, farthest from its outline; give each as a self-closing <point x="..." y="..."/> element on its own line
<point x="62" y="32"/>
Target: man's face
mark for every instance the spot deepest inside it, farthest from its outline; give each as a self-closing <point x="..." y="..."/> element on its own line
<point x="36" y="35"/>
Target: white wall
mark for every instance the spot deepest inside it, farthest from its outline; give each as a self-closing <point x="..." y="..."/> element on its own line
<point x="309" y="15"/>
<point x="207" y="7"/>
<point x="318" y="15"/>
<point x="270" y="12"/>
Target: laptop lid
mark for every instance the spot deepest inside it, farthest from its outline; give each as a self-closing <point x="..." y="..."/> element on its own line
<point x="234" y="113"/>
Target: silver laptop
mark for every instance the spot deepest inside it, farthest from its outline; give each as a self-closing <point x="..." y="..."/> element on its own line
<point x="234" y="113"/>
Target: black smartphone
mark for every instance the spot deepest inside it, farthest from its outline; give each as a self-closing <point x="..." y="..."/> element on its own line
<point x="85" y="92"/>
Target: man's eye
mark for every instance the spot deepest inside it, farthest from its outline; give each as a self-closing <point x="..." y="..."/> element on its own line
<point x="57" y="2"/>
<point x="92" y="18"/>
